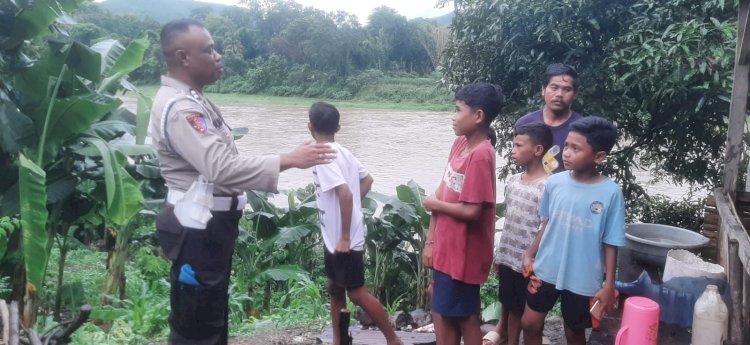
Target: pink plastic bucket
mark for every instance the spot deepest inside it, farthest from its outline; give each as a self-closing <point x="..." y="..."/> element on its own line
<point x="640" y="322"/>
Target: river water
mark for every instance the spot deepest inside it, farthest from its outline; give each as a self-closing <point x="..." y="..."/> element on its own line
<point x="394" y="145"/>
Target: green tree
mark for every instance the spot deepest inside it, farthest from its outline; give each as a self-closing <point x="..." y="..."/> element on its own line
<point x="399" y="38"/>
<point x="60" y="118"/>
<point x="660" y="69"/>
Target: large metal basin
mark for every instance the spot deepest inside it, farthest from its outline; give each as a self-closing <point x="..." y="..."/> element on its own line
<point x="649" y="243"/>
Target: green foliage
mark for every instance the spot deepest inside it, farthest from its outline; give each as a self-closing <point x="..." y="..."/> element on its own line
<point x="281" y="32"/>
<point x="280" y="245"/>
<point x="8" y="226"/>
<point x="146" y="311"/>
<point x="304" y="301"/>
<point x="660" y="69"/>
<point x="394" y="245"/>
<point x="34" y="19"/>
<point x="66" y="172"/>
<point x="488" y="295"/>
<point x="686" y="213"/>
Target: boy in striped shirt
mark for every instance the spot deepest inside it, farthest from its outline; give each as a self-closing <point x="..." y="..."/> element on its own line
<point x="523" y="193"/>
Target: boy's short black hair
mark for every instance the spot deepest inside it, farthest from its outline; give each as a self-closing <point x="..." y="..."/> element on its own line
<point x="324" y="118"/>
<point x="556" y="69"/>
<point x="170" y="30"/>
<point x="485" y="96"/>
<point x="600" y="133"/>
<point x="538" y="132"/>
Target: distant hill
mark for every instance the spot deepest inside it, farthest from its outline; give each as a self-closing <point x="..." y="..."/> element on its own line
<point x="160" y="10"/>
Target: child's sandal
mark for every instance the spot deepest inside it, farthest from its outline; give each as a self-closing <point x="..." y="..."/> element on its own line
<point x="492" y="337"/>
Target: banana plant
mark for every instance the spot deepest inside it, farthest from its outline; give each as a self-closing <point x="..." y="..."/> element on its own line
<point x="278" y="245"/>
<point x="395" y="238"/>
<point x="57" y="113"/>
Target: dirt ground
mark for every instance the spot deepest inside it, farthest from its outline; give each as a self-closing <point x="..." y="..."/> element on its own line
<point x="295" y="335"/>
<point x="299" y="335"/>
<point x="285" y="336"/>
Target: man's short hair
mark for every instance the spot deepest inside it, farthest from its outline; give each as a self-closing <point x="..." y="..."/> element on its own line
<point x="557" y="69"/>
<point x="324" y="118"/>
<point x="600" y="133"/>
<point x="172" y="29"/>
<point x="485" y="96"/>
<point x="538" y="132"/>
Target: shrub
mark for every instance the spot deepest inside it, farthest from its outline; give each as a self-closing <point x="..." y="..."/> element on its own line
<point x="285" y="90"/>
<point x="686" y="213"/>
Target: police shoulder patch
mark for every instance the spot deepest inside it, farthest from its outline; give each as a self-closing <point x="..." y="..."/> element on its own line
<point x="198" y="122"/>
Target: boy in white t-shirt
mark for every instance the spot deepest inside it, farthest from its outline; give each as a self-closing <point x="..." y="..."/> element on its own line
<point x="339" y="189"/>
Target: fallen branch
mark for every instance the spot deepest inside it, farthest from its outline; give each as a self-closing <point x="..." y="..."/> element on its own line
<point x="61" y="333"/>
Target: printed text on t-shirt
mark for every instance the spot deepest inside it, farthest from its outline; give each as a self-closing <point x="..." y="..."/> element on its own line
<point x="453" y="179"/>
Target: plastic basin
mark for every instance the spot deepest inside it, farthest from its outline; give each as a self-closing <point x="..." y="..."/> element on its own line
<point x="649" y="243"/>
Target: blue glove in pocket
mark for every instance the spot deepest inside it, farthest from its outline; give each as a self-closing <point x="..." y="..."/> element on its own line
<point x="187" y="275"/>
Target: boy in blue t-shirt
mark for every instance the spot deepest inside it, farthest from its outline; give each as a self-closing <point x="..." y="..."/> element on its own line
<point x="583" y="223"/>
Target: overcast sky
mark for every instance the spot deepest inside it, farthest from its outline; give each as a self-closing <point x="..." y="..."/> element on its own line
<point x="363" y="8"/>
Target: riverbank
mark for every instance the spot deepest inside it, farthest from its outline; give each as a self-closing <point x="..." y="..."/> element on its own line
<point x="245" y="99"/>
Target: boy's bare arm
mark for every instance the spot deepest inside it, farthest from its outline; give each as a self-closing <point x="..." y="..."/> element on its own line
<point x="528" y="257"/>
<point x="430" y="238"/>
<point x="346" y="204"/>
<point x="606" y="295"/>
<point x="429" y="244"/>
<point x="365" y="184"/>
<point x="464" y="211"/>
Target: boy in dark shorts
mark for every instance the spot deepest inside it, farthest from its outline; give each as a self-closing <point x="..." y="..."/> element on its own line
<point x="339" y="188"/>
<point x="462" y="226"/>
<point x="583" y="223"/>
<point x="523" y="193"/>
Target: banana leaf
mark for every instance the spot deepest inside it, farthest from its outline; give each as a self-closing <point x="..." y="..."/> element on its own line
<point x="33" y="200"/>
<point x="143" y="111"/>
<point x="16" y="129"/>
<point x="36" y="19"/>
<point x="109" y="130"/>
<point x="123" y="195"/>
<point x="144" y="114"/>
<point x="288" y="235"/>
<point x="71" y="116"/>
<point x="118" y="61"/>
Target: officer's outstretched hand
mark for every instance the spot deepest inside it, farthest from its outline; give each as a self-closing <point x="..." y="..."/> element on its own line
<point x="307" y="155"/>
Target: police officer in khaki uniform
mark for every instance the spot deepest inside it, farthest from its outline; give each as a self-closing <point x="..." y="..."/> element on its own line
<point x="192" y="139"/>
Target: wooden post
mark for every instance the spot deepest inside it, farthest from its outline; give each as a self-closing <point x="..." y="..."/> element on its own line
<point x="738" y="104"/>
<point x="735" y="275"/>
<point x="344" y="320"/>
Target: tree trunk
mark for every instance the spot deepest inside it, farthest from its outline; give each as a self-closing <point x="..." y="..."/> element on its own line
<point x="60" y="274"/>
<point x="267" y="297"/>
<point x="114" y="284"/>
<point x="13" y="339"/>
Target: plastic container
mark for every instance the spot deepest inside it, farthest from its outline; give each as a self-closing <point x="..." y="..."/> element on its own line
<point x="682" y="263"/>
<point x="640" y="322"/>
<point x="710" y="318"/>
<point x="651" y="242"/>
<point x="676" y="297"/>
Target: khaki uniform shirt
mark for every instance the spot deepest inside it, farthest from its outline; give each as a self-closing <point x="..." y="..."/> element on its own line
<point x="194" y="140"/>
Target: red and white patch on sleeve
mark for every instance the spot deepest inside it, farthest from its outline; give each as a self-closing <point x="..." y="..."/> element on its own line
<point x="198" y="122"/>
